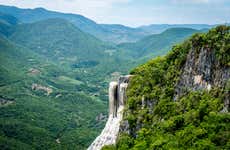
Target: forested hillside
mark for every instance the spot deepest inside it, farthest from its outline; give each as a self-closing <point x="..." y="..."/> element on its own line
<point x="157" y="44"/>
<point x="181" y="100"/>
<point x="41" y="105"/>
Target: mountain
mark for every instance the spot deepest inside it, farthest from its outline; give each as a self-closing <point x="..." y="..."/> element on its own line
<point x="111" y="33"/>
<point x="63" y="43"/>
<point x="123" y="33"/>
<point x="158" y="28"/>
<point x="181" y="100"/>
<point x="8" y="19"/>
<point x="6" y="23"/>
<point x="59" y="37"/>
<point x="157" y="44"/>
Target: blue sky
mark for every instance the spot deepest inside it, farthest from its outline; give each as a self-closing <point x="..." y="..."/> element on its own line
<point x="138" y="12"/>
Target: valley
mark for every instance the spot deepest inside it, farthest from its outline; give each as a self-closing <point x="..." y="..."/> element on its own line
<point x="55" y="69"/>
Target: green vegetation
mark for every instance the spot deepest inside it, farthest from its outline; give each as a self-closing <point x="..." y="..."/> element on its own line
<point x="54" y="78"/>
<point x="53" y="85"/>
<point x="34" y="119"/>
<point x="195" y="120"/>
<point x="221" y="37"/>
<point x="69" y="80"/>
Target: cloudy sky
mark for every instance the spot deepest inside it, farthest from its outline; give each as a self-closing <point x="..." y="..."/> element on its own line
<point x="138" y="12"/>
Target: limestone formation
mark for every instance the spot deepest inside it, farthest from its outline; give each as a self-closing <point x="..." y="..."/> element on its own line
<point x="201" y="71"/>
<point x="117" y="98"/>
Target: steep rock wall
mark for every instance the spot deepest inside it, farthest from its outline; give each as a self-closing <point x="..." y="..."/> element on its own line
<point x="117" y="98"/>
<point x="202" y="71"/>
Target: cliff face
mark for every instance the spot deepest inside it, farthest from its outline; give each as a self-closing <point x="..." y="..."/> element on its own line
<point x="181" y="100"/>
<point x="202" y="71"/>
<point x="117" y="99"/>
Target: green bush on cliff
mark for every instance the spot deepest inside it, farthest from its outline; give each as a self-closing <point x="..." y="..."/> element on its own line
<point x="217" y="39"/>
<point x="195" y="120"/>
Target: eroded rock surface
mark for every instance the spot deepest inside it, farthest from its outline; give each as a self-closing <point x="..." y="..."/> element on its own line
<point x="201" y="71"/>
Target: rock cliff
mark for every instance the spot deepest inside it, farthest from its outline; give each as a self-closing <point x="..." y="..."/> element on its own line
<point x="202" y="71"/>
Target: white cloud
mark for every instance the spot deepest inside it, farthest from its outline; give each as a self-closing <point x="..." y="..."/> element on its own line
<point x="136" y="12"/>
<point x="199" y="1"/>
<point x="69" y="3"/>
<point x="97" y="10"/>
<point x="191" y="1"/>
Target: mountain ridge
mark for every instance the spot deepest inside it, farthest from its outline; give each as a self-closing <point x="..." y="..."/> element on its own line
<point x="106" y="32"/>
<point x="158" y="44"/>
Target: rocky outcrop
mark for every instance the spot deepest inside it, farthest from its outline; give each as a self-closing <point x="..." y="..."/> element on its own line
<point x="117" y="99"/>
<point x="35" y="87"/>
<point x="202" y="71"/>
<point x="5" y="101"/>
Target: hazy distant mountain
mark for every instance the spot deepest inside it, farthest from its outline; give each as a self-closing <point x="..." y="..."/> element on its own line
<point x="158" y="28"/>
<point x="157" y="44"/>
<point x="106" y="32"/>
<point x="6" y="23"/>
<point x="111" y="33"/>
<point x="8" y="19"/>
<point x="124" y="33"/>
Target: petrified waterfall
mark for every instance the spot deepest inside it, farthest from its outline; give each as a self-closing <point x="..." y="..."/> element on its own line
<point x="117" y="98"/>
